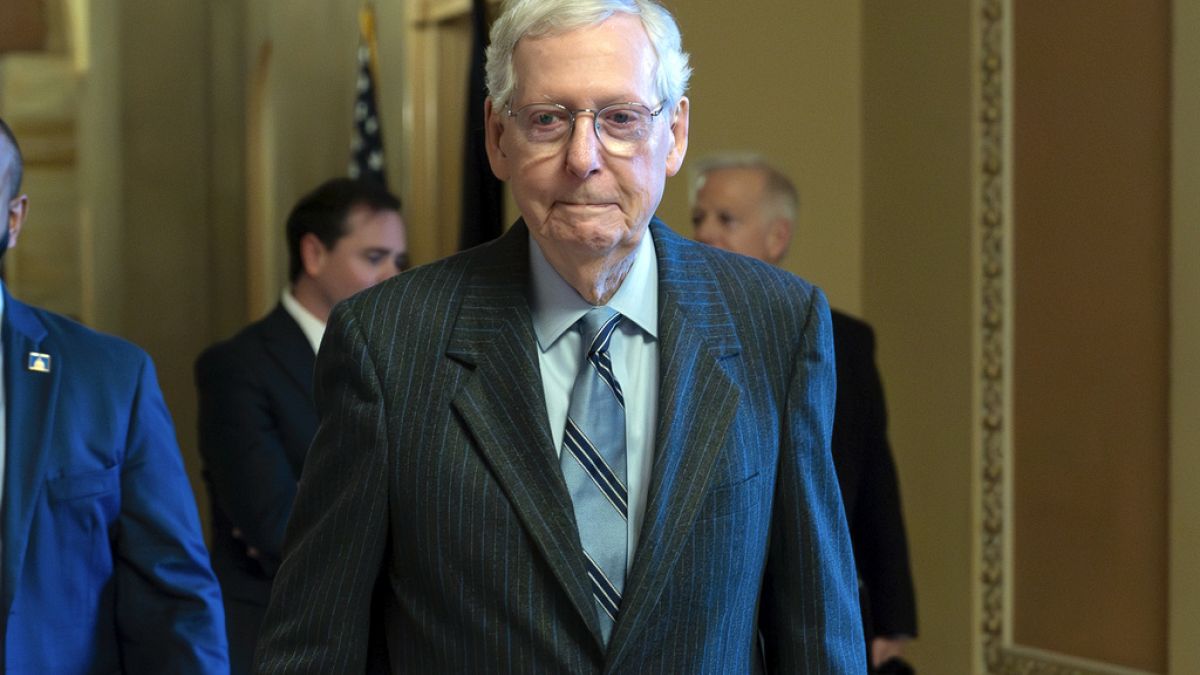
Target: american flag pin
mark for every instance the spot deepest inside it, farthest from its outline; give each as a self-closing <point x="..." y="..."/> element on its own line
<point x="39" y="363"/>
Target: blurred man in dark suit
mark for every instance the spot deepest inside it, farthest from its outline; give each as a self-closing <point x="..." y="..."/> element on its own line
<point x="743" y="204"/>
<point x="590" y="445"/>
<point x="104" y="565"/>
<point x="257" y="416"/>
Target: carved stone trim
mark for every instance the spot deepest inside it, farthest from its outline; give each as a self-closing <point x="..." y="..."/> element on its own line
<point x="992" y="277"/>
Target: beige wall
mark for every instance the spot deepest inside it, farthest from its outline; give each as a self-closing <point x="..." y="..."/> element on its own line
<point x="160" y="246"/>
<point x="802" y="110"/>
<point x="917" y="291"/>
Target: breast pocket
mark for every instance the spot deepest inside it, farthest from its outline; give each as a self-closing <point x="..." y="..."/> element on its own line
<point x="733" y="498"/>
<point x="74" y="486"/>
<point x="86" y="505"/>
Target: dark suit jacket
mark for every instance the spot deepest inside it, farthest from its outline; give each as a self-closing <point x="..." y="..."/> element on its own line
<point x="433" y="496"/>
<point x="256" y="420"/>
<point x="104" y="563"/>
<point x="870" y="489"/>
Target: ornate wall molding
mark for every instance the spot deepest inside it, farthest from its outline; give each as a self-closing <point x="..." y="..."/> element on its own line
<point x="999" y="655"/>
<point x="992" y="278"/>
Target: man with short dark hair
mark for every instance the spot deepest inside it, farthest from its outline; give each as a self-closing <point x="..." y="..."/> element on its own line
<point x="104" y="565"/>
<point x="255" y="390"/>
<point x="590" y="445"/>
<point x="741" y="203"/>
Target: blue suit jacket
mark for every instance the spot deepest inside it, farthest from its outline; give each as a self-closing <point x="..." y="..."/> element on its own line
<point x="433" y="520"/>
<point x="104" y="566"/>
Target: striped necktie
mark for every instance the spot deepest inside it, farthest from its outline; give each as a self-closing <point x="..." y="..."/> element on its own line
<point x="593" y="464"/>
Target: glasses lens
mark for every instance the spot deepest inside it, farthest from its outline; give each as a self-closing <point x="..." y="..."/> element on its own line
<point x="625" y="122"/>
<point x="543" y="123"/>
<point x="624" y="127"/>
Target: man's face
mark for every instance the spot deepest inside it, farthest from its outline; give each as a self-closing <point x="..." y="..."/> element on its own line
<point x="14" y="207"/>
<point x="580" y="201"/>
<point x="729" y="213"/>
<point x="374" y="249"/>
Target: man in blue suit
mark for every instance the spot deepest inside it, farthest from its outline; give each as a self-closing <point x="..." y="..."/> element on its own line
<point x="104" y="566"/>
<point x="590" y="446"/>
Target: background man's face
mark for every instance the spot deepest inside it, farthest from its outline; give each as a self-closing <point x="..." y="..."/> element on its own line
<point x="581" y="200"/>
<point x="728" y="212"/>
<point x="13" y="205"/>
<point x="374" y="249"/>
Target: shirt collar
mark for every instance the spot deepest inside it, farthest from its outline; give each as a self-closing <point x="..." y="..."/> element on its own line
<point x="312" y="327"/>
<point x="556" y="306"/>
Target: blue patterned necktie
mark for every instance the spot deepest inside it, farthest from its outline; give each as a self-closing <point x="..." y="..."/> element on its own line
<point x="593" y="463"/>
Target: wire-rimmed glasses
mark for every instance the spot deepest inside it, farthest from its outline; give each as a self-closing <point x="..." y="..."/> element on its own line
<point x="622" y="128"/>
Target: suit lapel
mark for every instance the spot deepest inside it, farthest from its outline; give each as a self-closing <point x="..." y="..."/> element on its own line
<point x="30" y="398"/>
<point x="503" y="406"/>
<point x="286" y="344"/>
<point x="697" y="402"/>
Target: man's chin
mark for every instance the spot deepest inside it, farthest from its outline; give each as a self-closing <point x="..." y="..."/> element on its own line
<point x="598" y="242"/>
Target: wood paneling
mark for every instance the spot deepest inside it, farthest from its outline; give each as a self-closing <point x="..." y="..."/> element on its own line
<point x="1091" y="246"/>
<point x="22" y="25"/>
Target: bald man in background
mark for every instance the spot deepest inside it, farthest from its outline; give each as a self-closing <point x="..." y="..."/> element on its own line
<point x="745" y="205"/>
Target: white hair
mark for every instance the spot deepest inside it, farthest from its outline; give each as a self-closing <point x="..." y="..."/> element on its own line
<point x="536" y="18"/>
<point x="780" y="195"/>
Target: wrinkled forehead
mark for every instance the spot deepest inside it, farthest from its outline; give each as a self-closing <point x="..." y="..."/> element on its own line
<point x="611" y="58"/>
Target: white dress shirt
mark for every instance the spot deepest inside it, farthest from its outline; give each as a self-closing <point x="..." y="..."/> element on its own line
<point x="556" y="306"/>
<point x="313" y="328"/>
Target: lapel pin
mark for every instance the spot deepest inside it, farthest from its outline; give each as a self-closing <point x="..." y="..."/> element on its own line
<point x="39" y="363"/>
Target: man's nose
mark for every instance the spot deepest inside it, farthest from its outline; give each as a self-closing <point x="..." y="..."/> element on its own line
<point x="583" y="147"/>
<point x="389" y="271"/>
<point x="706" y="231"/>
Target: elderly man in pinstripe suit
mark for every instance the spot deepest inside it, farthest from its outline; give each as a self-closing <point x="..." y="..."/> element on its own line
<point x="588" y="446"/>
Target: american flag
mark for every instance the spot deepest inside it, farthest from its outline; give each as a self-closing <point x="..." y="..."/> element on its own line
<point x="482" y="192"/>
<point x="366" y="143"/>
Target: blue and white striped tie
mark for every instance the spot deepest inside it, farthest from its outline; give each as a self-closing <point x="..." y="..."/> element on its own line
<point x="593" y="463"/>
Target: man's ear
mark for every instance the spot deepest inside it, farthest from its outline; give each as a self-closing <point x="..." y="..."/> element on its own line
<point x="679" y="136"/>
<point x="494" y="129"/>
<point x="18" y="209"/>
<point x="779" y="235"/>
<point x="312" y="254"/>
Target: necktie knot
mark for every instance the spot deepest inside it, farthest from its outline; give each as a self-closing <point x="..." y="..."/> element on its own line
<point x="597" y="327"/>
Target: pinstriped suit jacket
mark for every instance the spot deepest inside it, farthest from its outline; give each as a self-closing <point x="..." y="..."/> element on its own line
<point x="432" y="517"/>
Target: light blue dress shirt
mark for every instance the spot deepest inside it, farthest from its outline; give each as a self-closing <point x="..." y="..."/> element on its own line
<point x="556" y="306"/>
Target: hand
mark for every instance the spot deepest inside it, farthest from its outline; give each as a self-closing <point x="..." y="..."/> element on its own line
<point x="884" y="648"/>
<point x="252" y="552"/>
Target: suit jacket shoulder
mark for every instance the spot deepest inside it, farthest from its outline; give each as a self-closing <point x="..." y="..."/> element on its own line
<point x="750" y="289"/>
<point x="85" y="345"/>
<point x="853" y="331"/>
<point x="277" y="333"/>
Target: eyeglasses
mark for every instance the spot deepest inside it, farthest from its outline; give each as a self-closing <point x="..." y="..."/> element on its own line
<point x="622" y="128"/>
